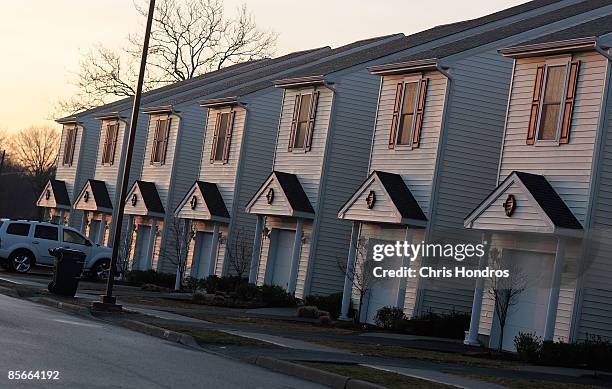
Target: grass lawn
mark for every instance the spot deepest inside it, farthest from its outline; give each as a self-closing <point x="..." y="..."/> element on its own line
<point x="209" y="337"/>
<point x="525" y="383"/>
<point x="375" y="376"/>
<point x="388" y="351"/>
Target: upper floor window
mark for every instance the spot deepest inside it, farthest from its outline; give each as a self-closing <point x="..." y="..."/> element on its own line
<point x="160" y="141"/>
<point x="110" y="144"/>
<point x="408" y="110"/>
<point x="69" y="146"/>
<point x="222" y="137"/>
<point x="303" y="121"/>
<point x="552" y="104"/>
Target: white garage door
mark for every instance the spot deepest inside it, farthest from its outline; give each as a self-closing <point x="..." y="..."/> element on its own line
<point x="201" y="260"/>
<point x="283" y="248"/>
<point x="529" y="313"/>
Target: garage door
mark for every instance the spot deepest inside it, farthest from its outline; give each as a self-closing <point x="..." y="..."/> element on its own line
<point x="529" y="313"/>
<point x="283" y="249"/>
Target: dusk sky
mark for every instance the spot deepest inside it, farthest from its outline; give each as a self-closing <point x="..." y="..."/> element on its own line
<point x="42" y="40"/>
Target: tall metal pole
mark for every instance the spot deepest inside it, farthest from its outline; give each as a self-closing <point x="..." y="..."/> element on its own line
<point x="108" y="300"/>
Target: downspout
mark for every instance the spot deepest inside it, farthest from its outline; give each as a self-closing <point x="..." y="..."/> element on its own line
<point x="375" y="122"/>
<point x="595" y="169"/>
<point x="433" y="198"/>
<point x="503" y="140"/>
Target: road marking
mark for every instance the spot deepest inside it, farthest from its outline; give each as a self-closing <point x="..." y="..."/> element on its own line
<point x="76" y="323"/>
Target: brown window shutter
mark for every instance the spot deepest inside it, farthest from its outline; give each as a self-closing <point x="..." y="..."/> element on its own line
<point x="165" y="141"/>
<point x="72" y="141"/>
<point x="296" y="110"/>
<point x="396" y="112"/>
<point x="213" y="147"/>
<point x="114" y="143"/>
<point x="314" y="102"/>
<point x="535" y="105"/>
<point x="420" y="112"/>
<point x="105" y="146"/>
<point x="154" y="145"/>
<point x="570" y="97"/>
<point x="228" y="136"/>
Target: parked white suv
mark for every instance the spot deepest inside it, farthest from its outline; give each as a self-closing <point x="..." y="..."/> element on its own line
<point x="24" y="244"/>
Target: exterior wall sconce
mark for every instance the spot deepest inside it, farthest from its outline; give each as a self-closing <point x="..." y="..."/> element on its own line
<point x="266" y="233"/>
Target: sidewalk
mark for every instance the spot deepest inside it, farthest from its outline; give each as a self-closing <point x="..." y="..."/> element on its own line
<point x="296" y="345"/>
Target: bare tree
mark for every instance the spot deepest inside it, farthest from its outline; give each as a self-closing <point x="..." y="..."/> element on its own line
<point x="35" y="150"/>
<point x="180" y="236"/>
<point x="188" y="38"/>
<point x="505" y="291"/>
<point x="239" y="250"/>
<point x="362" y="273"/>
<point x="125" y="250"/>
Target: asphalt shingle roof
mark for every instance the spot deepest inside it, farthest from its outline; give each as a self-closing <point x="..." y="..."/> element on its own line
<point x="549" y="200"/>
<point x="401" y="196"/>
<point x="294" y="191"/>
<point x="60" y="192"/>
<point x="213" y="199"/>
<point x="150" y="196"/>
<point x="100" y="194"/>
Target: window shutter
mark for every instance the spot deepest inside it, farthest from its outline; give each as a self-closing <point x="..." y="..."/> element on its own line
<point x="420" y="112"/>
<point x="154" y="145"/>
<point x="535" y="105"/>
<point x="114" y="143"/>
<point x="296" y="110"/>
<point x="396" y="112"/>
<point x="570" y="97"/>
<point x="213" y="147"/>
<point x="311" y="119"/>
<point x="228" y="136"/>
<point x="72" y="145"/>
<point x="165" y="141"/>
<point x="105" y="146"/>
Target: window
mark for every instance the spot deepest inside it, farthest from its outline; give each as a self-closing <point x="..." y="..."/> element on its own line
<point x="407" y="115"/>
<point x="110" y="144"/>
<point x="552" y="104"/>
<point x="74" y="237"/>
<point x="46" y="232"/>
<point x="222" y="137"/>
<point x="302" y="124"/>
<point x="160" y="141"/>
<point x="20" y="229"/>
<point x="408" y="112"/>
<point x="69" y="144"/>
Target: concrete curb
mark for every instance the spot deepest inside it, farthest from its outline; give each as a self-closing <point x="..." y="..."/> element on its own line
<point x="306" y="373"/>
<point x="73" y="308"/>
<point x="11" y="292"/>
<point x="158" y="332"/>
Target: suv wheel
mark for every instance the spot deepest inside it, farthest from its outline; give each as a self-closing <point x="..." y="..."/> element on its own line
<point x="100" y="270"/>
<point x="21" y="261"/>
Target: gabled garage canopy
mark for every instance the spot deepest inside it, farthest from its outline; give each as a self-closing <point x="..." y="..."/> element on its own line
<point x="281" y="194"/>
<point x="143" y="200"/>
<point x="203" y="202"/>
<point x="384" y="198"/>
<point x="94" y="197"/>
<point x="525" y="202"/>
<point x="55" y="195"/>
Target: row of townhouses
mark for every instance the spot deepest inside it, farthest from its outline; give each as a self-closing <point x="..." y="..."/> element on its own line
<point x="491" y="130"/>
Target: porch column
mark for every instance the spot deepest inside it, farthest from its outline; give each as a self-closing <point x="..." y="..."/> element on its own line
<point x="84" y="222"/>
<point x="295" y="256"/>
<point x="214" y="247"/>
<point x="256" y="249"/>
<point x="102" y="232"/>
<point x="151" y="247"/>
<point x="472" y="337"/>
<point x="350" y="266"/>
<point x="553" y="299"/>
<point x="401" y="291"/>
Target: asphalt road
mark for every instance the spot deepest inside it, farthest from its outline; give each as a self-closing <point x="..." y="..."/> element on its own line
<point x="90" y="354"/>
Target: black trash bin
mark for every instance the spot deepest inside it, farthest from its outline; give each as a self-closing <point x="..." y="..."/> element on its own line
<point x="67" y="271"/>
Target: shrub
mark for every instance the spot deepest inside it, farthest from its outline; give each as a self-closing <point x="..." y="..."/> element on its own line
<point x="308" y="312"/>
<point x="528" y="346"/>
<point x="140" y="277"/>
<point x="390" y="318"/>
<point x="227" y="284"/>
<point x="276" y="296"/>
<point x="331" y="303"/>
<point x="247" y="292"/>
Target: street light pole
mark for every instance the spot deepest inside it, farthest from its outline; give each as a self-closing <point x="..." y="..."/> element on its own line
<point x="109" y="302"/>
